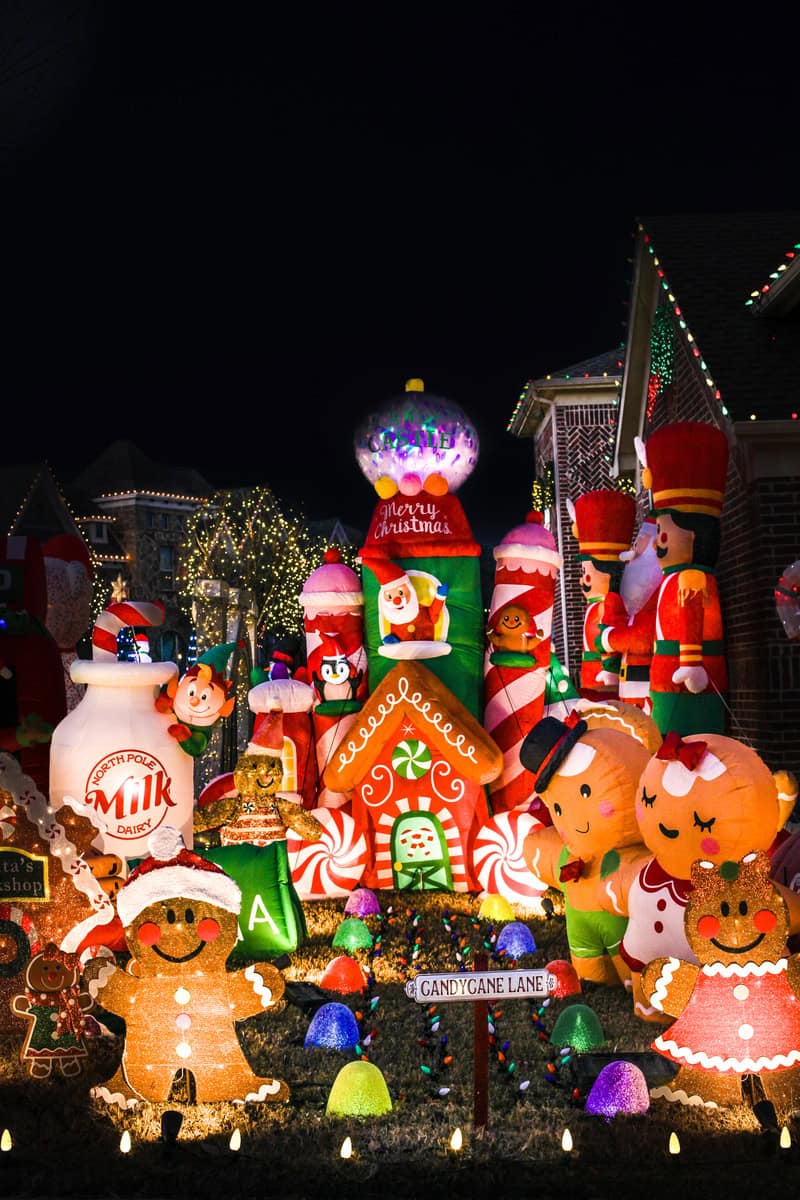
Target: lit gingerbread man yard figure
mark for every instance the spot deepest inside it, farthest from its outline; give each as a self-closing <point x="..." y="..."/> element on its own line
<point x="738" y="1011"/>
<point x="178" y="1001"/>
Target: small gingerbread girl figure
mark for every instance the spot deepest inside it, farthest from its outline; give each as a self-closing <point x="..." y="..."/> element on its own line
<point x="54" y="1006"/>
<point x="738" y="1011"/>
<point x="179" y="1003"/>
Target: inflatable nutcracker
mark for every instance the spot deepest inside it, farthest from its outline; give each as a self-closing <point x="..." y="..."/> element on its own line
<point x="518" y="655"/>
<point x="603" y="525"/>
<point x="685" y="467"/>
<point x="633" y="639"/>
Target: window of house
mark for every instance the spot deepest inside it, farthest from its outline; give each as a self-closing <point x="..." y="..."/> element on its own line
<point x="99" y="531"/>
<point x="150" y="519"/>
<point x="165" y="520"/>
<point x="166" y="566"/>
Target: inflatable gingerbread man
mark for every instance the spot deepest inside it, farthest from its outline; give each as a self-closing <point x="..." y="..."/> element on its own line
<point x="588" y="779"/>
<point x="701" y="797"/>
<point x="738" y="1010"/>
<point x="179" y="1003"/>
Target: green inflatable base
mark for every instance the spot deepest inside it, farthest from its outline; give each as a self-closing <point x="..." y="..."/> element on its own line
<point x="271" y="921"/>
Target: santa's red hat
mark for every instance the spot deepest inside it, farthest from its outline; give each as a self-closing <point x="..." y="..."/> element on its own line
<point x="68" y="548"/>
<point x="687" y="465"/>
<point x="267" y="734"/>
<point x="172" y="872"/>
<point x="604" y="524"/>
<point x="330" y="645"/>
<point x="385" y="571"/>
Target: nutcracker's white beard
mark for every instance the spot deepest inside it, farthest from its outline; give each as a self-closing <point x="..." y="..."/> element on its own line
<point x="401" y="614"/>
<point x="641" y="577"/>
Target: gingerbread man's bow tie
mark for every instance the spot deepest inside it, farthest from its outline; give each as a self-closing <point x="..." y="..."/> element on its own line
<point x="571" y="871"/>
<point x="675" y="749"/>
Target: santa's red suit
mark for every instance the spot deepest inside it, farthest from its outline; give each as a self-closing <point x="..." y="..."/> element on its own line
<point x="423" y="626"/>
<point x="634" y="642"/>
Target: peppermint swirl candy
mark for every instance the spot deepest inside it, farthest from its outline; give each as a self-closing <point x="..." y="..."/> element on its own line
<point x="411" y="759"/>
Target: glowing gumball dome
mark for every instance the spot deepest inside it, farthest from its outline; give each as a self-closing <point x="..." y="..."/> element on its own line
<point x="333" y="1026"/>
<point x="515" y="940"/>
<point x="567" y="981"/>
<point x="619" y="1088"/>
<point x="359" y="1090"/>
<point x="578" y="1026"/>
<point x="344" y="975"/>
<point x="362" y="903"/>
<point x="495" y="908"/>
<point x="352" y="934"/>
<point x="417" y="441"/>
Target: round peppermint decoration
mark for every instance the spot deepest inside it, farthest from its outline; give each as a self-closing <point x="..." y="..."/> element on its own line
<point x="411" y="759"/>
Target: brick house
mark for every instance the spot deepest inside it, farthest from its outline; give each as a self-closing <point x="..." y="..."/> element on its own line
<point x="714" y="336"/>
<point x="570" y="415"/>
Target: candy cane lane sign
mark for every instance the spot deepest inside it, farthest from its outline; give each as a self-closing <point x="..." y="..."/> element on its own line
<point x="481" y="985"/>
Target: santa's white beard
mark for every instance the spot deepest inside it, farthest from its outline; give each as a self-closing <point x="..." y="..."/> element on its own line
<point x="641" y="577"/>
<point x="401" y="614"/>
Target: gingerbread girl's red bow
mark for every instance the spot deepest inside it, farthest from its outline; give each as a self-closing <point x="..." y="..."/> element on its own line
<point x="675" y="749"/>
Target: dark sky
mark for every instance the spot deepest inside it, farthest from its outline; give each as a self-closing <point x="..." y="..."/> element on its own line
<point x="229" y="236"/>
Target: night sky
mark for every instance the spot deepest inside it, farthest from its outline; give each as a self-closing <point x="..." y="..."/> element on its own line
<point x="230" y="237"/>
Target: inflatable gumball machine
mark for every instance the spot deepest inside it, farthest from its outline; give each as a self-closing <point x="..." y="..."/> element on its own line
<point x="113" y="752"/>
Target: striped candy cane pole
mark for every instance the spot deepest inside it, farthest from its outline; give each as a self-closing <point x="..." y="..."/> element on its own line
<point x="514" y="704"/>
<point x="522" y="603"/>
<point x="118" y="616"/>
<point x="328" y="733"/>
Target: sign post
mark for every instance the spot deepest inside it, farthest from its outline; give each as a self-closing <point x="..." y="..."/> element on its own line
<point x="480" y="986"/>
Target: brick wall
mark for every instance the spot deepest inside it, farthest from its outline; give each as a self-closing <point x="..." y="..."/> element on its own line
<point x="760" y="537"/>
<point x="584" y="434"/>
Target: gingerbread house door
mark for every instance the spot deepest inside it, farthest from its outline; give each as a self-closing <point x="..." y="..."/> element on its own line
<point x="420" y="858"/>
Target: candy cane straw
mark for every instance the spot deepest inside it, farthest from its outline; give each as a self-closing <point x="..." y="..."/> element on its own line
<point x="118" y="616"/>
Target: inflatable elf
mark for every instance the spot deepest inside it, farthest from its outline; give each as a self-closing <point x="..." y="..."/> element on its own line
<point x="685" y="467"/>
<point x="603" y="525"/>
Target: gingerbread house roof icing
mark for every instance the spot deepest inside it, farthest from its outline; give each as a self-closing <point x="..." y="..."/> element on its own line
<point x="412" y="692"/>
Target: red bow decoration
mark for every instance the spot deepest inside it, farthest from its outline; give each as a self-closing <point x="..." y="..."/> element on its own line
<point x="675" y="748"/>
<point x="571" y="871"/>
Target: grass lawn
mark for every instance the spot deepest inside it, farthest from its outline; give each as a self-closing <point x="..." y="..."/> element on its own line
<point x="65" y="1144"/>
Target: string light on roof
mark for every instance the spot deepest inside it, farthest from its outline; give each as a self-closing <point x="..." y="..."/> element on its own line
<point x="677" y="313"/>
<point x="775" y="275"/>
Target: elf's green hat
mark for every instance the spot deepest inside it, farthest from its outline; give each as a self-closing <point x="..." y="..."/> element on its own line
<point x="217" y="656"/>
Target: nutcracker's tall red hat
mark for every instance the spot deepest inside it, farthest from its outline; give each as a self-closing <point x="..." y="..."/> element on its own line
<point x="604" y="524"/>
<point x="687" y="464"/>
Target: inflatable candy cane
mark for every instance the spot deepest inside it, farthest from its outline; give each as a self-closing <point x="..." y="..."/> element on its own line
<point x="118" y="616"/>
<point x="520" y="623"/>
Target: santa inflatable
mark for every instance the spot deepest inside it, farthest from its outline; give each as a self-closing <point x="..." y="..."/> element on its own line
<point x="405" y="618"/>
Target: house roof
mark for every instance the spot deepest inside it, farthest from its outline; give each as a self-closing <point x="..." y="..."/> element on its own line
<point x="601" y="366"/>
<point x="413" y="692"/>
<point x="601" y="372"/>
<point x="123" y="467"/>
<point x="712" y="263"/>
<point x="32" y="503"/>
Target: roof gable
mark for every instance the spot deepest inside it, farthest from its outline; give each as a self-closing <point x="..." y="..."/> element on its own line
<point x="711" y="264"/>
<point x="413" y="692"/>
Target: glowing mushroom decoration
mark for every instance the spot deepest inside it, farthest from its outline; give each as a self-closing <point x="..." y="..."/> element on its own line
<point x="344" y="975"/>
<point x="352" y="935"/>
<point x="578" y="1026"/>
<point x="333" y="1027"/>
<point x="619" y="1088"/>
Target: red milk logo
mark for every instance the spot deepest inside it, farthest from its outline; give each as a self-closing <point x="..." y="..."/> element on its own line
<point x="129" y="791"/>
